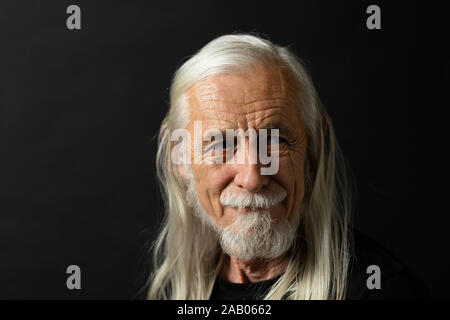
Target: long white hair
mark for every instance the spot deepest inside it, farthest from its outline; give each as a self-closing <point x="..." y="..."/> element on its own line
<point x="187" y="254"/>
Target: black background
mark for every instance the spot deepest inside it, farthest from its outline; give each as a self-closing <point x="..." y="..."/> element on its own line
<point x="79" y="111"/>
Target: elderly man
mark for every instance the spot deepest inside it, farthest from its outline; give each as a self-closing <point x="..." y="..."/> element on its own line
<point x="255" y="187"/>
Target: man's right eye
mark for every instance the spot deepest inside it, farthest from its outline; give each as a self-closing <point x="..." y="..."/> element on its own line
<point x="226" y="144"/>
<point x="219" y="145"/>
<point x="216" y="146"/>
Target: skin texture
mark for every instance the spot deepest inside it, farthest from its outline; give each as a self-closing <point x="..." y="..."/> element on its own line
<point x="263" y="96"/>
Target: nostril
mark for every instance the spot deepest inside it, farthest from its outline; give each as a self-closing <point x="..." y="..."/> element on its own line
<point x="250" y="178"/>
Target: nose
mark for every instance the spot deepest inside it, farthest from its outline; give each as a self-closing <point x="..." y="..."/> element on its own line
<point x="249" y="177"/>
<point x="248" y="168"/>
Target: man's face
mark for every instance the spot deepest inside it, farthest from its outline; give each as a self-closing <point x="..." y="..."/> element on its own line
<point x="259" y="98"/>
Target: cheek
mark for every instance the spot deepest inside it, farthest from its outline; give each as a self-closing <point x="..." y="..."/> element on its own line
<point x="210" y="180"/>
<point x="298" y="164"/>
<point x="291" y="176"/>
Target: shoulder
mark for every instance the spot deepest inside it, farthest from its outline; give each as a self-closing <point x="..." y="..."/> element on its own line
<point x="371" y="260"/>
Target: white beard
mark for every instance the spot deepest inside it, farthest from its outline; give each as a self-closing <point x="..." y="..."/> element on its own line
<point x="252" y="234"/>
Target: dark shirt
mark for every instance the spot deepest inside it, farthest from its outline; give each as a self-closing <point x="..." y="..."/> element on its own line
<point x="397" y="282"/>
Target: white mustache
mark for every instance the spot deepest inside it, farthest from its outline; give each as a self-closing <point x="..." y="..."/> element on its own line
<point x="253" y="200"/>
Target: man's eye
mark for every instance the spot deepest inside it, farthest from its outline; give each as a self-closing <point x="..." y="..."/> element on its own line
<point x="276" y="140"/>
<point x="224" y="144"/>
<point x="218" y="146"/>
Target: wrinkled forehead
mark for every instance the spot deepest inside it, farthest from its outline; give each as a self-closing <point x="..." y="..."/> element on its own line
<point x="255" y="92"/>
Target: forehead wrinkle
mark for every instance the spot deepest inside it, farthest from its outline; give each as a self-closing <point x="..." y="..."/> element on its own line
<point x="231" y="115"/>
<point x="212" y="89"/>
<point x="257" y="106"/>
<point x="260" y="120"/>
<point x="243" y="89"/>
<point x="255" y="102"/>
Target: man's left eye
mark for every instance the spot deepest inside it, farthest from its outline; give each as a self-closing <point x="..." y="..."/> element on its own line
<point x="276" y="140"/>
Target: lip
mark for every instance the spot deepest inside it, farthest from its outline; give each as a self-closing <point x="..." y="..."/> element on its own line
<point x="247" y="210"/>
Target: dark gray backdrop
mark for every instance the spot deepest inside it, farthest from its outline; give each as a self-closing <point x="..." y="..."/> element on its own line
<point x="79" y="110"/>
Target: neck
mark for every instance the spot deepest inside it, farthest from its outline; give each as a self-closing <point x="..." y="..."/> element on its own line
<point x="243" y="271"/>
